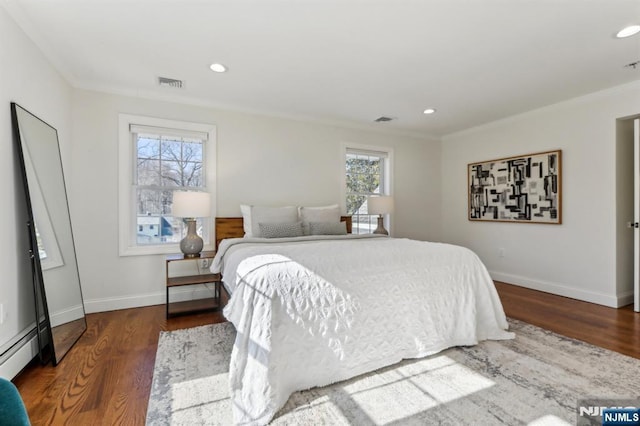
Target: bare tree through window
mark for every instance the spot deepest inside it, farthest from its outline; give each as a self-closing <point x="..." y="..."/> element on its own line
<point x="364" y="177"/>
<point x="164" y="163"/>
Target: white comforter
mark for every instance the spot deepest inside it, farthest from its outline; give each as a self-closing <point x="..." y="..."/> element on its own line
<point x="313" y="313"/>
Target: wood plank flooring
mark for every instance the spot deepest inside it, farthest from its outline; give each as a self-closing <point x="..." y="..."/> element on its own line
<point x="615" y="329"/>
<point x="106" y="377"/>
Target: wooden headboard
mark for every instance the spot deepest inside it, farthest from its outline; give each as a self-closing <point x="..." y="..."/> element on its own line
<point x="232" y="227"/>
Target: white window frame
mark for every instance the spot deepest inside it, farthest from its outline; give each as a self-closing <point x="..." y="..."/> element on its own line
<point x="387" y="173"/>
<point x="128" y="245"/>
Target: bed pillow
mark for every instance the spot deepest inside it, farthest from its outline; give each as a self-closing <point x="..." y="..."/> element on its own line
<point x="254" y="215"/>
<point x="328" y="228"/>
<point x="280" y="230"/>
<point x="318" y="214"/>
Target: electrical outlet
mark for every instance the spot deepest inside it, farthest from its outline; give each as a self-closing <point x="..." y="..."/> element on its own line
<point x="204" y="263"/>
<point x="500" y="252"/>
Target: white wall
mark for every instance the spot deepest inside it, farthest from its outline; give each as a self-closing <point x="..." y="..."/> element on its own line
<point x="260" y="160"/>
<point x="28" y="79"/>
<point x="575" y="259"/>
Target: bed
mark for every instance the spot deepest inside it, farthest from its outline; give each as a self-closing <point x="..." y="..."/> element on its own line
<point x="314" y="310"/>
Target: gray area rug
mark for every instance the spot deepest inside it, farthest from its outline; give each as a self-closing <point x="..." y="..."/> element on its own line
<point x="536" y="379"/>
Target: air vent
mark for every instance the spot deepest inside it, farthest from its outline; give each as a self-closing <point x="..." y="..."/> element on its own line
<point x="170" y="82"/>
<point x="383" y="119"/>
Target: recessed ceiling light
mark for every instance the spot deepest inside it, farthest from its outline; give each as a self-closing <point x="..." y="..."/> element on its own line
<point x="218" y="68"/>
<point x="628" y="31"/>
<point x="429" y="111"/>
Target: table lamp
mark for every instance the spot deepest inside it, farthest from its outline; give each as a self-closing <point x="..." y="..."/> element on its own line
<point x="190" y="205"/>
<point x="380" y="205"/>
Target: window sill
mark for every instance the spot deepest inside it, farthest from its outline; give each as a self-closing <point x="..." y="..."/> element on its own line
<point x="152" y="250"/>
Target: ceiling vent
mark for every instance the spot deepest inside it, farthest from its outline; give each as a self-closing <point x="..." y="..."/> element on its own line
<point x="383" y="119"/>
<point x="170" y="82"/>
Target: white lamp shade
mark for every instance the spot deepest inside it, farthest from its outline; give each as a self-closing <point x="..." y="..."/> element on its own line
<point x="191" y="204"/>
<point x="380" y="204"/>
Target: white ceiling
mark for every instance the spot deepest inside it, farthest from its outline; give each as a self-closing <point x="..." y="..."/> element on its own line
<point x="343" y="61"/>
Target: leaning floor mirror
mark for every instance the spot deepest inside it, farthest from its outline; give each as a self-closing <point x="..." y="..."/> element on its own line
<point x="58" y="296"/>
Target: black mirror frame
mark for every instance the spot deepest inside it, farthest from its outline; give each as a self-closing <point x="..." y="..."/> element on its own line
<point x="44" y="331"/>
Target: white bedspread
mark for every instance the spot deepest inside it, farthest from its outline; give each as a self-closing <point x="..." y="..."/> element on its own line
<point x="313" y="313"/>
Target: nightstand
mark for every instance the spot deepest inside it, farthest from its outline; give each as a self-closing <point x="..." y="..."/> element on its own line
<point x="192" y="306"/>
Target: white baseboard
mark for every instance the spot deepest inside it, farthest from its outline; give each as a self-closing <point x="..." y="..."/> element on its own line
<point x="66" y="315"/>
<point x="148" y="299"/>
<point x="563" y="290"/>
<point x="14" y="364"/>
<point x="625" y="299"/>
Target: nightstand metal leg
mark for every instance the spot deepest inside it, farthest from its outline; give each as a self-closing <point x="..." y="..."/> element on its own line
<point x="182" y="306"/>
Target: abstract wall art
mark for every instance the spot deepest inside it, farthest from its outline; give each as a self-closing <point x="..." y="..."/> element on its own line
<point x="524" y="189"/>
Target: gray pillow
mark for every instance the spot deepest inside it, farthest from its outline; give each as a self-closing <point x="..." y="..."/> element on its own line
<point x="281" y="230"/>
<point x="328" y="228"/>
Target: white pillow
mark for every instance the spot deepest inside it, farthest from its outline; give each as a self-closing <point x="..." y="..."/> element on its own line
<point x="319" y="214"/>
<point x="254" y="215"/>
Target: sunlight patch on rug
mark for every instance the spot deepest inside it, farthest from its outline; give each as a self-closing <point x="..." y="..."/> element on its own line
<point x="421" y="385"/>
<point x="204" y="395"/>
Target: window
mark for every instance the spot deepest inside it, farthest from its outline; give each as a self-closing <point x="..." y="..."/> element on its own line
<point x="367" y="172"/>
<point x="158" y="157"/>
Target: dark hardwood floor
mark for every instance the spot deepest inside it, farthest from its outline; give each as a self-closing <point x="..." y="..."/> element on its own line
<point x="106" y="377"/>
<point x="615" y="329"/>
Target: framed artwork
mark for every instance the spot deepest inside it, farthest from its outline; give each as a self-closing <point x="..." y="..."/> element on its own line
<point x="523" y="189"/>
